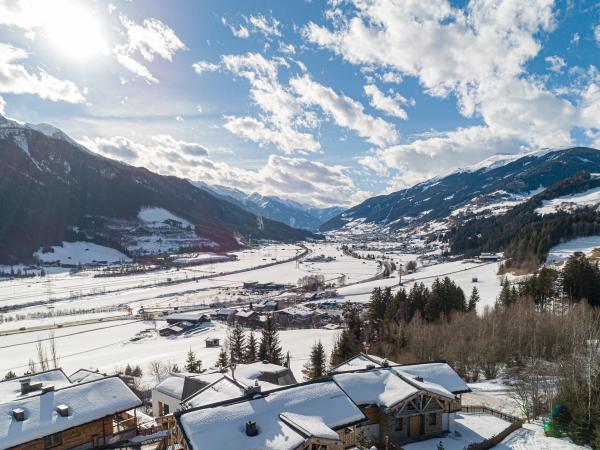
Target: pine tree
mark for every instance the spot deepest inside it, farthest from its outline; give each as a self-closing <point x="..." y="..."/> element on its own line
<point x="473" y="300"/>
<point x="269" y="349"/>
<point x="223" y="360"/>
<point x="315" y="367"/>
<point x="237" y="341"/>
<point x="192" y="365"/>
<point x="10" y="375"/>
<point x="251" y="351"/>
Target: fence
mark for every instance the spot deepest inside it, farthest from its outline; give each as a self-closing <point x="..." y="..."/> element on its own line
<point x="516" y="423"/>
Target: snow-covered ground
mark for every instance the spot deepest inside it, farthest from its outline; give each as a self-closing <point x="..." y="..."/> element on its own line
<point x="158" y="216"/>
<point x="488" y="282"/>
<point x="108" y="346"/>
<point x="76" y="253"/>
<point x="569" y="203"/>
<point x="563" y="251"/>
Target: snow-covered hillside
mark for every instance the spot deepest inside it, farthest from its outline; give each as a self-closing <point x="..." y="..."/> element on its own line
<point x="569" y="203"/>
<point x="76" y="253"/>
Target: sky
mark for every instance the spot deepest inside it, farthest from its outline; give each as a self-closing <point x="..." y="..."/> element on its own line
<point x="323" y="102"/>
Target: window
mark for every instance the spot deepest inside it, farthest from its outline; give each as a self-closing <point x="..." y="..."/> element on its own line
<point x="399" y="424"/>
<point x="52" y="440"/>
<point x="432" y="419"/>
<point x="165" y="409"/>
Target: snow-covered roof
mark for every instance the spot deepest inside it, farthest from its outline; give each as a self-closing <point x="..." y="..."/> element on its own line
<point x="245" y="313"/>
<point x="225" y="311"/>
<point x="83" y="375"/>
<point x="188" y="316"/>
<point x="255" y="370"/>
<point x="87" y="402"/>
<point x="381" y="387"/>
<point x="11" y="389"/>
<point x="173" y="385"/>
<point x="359" y="362"/>
<point x="309" y="425"/>
<point x="322" y="404"/>
<point x="297" y="311"/>
<point x="439" y="373"/>
<point x="225" y="388"/>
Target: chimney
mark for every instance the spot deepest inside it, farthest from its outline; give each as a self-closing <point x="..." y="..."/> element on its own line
<point x="385" y="363"/>
<point x="25" y="385"/>
<point x="62" y="410"/>
<point x="47" y="388"/>
<point x="419" y="379"/>
<point x="251" y="429"/>
<point x="19" y="414"/>
<point x="370" y="366"/>
<point x="251" y="391"/>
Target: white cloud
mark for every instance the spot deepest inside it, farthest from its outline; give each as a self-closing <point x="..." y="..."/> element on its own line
<point x="2" y="105"/>
<point x="204" y="66"/>
<point x="482" y="63"/>
<point x="389" y="105"/>
<point x="16" y="79"/>
<point x="556" y="63"/>
<point x="294" y="178"/>
<point x="345" y="111"/>
<point x="597" y="33"/>
<point x="149" y="39"/>
<point x="264" y="25"/>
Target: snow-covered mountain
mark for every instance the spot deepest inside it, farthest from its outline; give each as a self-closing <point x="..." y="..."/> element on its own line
<point x="488" y="188"/>
<point x="53" y="189"/>
<point x="294" y="214"/>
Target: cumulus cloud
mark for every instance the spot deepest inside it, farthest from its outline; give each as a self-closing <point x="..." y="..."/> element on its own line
<point x="294" y="178"/>
<point x="267" y="26"/>
<point x="2" y="105"/>
<point x="389" y="105"/>
<point x="149" y="39"/>
<point x="482" y="64"/>
<point x="555" y="63"/>
<point x="16" y="79"/>
<point x="345" y="111"/>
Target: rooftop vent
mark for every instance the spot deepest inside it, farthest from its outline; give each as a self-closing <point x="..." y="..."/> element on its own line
<point x="385" y="363"/>
<point x="251" y="428"/>
<point x="47" y="388"/>
<point x="19" y="414"/>
<point x="25" y="385"/>
<point x="370" y="366"/>
<point x="419" y="379"/>
<point x="264" y="361"/>
<point x="62" y="410"/>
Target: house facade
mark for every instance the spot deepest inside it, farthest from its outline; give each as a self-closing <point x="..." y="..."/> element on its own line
<point x="47" y="410"/>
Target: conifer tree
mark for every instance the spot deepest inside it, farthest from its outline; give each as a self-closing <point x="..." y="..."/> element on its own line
<point x="315" y="367"/>
<point x="251" y="351"/>
<point x="237" y="341"/>
<point x="269" y="348"/>
<point x="473" y="300"/>
<point x="192" y="365"/>
<point x="223" y="360"/>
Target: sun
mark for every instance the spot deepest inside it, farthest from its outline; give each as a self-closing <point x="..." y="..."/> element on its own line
<point x="73" y="30"/>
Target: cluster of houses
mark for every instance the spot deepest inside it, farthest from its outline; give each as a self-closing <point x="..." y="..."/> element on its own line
<point x="250" y="406"/>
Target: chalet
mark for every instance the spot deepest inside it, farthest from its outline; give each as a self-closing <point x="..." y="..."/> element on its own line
<point x="266" y="305"/>
<point x="366" y="396"/>
<point x="248" y="318"/>
<point x="489" y="257"/>
<point x="49" y="410"/>
<point x="295" y="316"/>
<point x="316" y="415"/>
<point x="223" y="313"/>
<point x="168" y="394"/>
<point x="175" y="391"/>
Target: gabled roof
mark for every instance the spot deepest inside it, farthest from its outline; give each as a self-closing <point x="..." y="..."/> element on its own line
<point x="436" y="375"/>
<point x="225" y="388"/>
<point x="255" y="370"/>
<point x="174" y="385"/>
<point x="87" y="402"/>
<point x="311" y="406"/>
<point x="11" y="389"/>
<point x="83" y="375"/>
<point x="438" y="372"/>
<point x="380" y="387"/>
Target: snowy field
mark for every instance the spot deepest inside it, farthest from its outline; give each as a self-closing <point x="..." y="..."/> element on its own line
<point x="108" y="347"/>
<point x="488" y="282"/>
<point x="562" y="252"/>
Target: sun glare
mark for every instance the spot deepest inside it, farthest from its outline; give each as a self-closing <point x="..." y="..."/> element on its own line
<point x="74" y="30"/>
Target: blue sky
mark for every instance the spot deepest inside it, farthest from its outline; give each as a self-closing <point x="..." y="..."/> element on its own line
<point x="325" y="102"/>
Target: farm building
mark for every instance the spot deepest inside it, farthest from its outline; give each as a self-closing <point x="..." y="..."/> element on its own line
<point x="49" y="410"/>
<point x="194" y="317"/>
